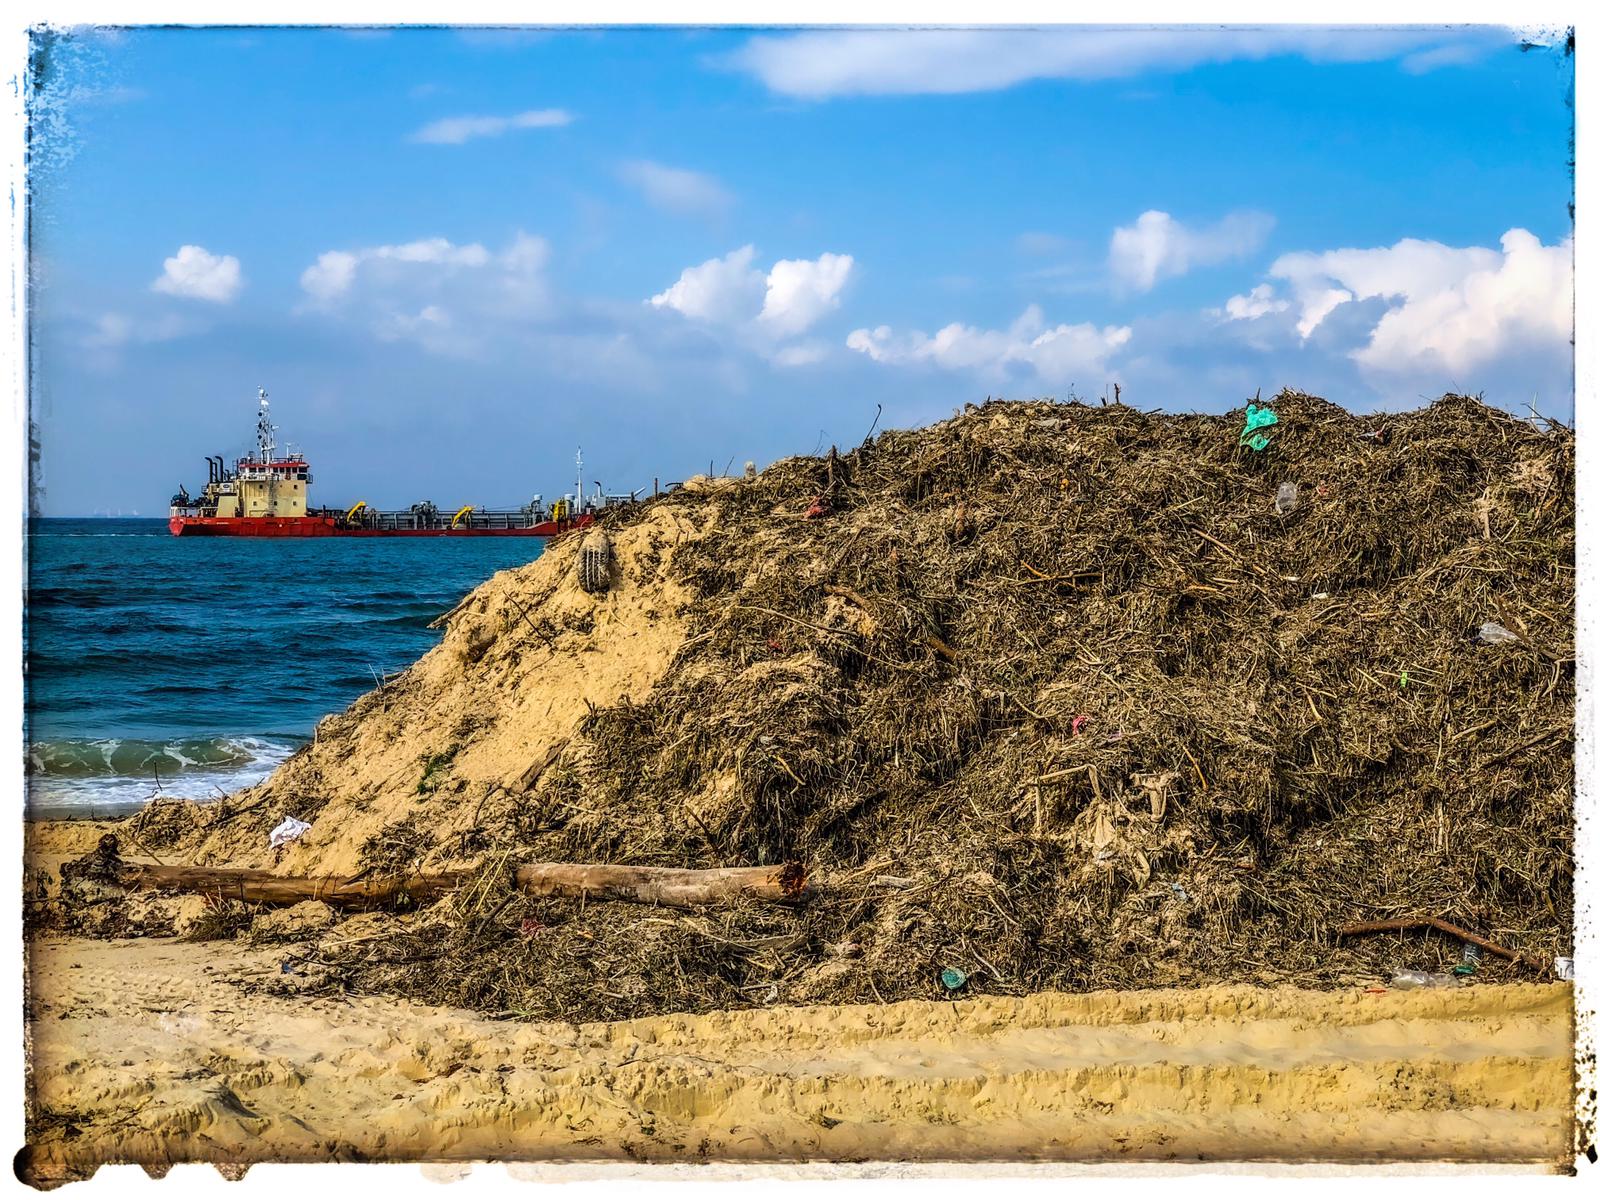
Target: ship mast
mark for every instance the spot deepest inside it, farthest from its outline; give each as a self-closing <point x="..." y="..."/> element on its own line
<point x="266" y="447"/>
<point x="580" y="478"/>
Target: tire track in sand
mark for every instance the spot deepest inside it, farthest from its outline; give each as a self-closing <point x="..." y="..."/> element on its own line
<point x="150" y="1051"/>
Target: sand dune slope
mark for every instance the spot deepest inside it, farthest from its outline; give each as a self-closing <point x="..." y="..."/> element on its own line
<point x="150" y="1051"/>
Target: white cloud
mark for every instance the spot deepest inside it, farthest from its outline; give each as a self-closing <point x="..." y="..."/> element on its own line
<point x="1451" y="308"/>
<point x="1157" y="247"/>
<point x="449" y="298"/>
<point x="721" y="290"/>
<point x="676" y="189"/>
<point x="801" y="291"/>
<point x="452" y="131"/>
<point x="1060" y="354"/>
<point x="820" y="64"/>
<point x="1260" y="301"/>
<point x="766" y="307"/>
<point x="196" y="273"/>
<point x="334" y="272"/>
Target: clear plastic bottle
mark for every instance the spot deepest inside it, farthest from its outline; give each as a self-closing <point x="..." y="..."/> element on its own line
<point x="1405" y="980"/>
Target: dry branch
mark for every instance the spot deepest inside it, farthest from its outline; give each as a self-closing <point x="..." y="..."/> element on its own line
<point x="1439" y="923"/>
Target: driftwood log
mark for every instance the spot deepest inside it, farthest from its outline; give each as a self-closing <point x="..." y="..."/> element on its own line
<point x="668" y="886"/>
<point x="263" y="887"/>
<point x="664" y="885"/>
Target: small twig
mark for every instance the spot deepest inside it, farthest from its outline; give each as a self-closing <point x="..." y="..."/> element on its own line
<point x="1056" y="776"/>
<point x="548" y="640"/>
<point x="787" y="771"/>
<point x="1515" y="750"/>
<point x="1224" y="547"/>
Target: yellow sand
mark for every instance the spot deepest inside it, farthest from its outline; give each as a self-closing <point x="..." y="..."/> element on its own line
<point x="523" y="658"/>
<point x="153" y="1051"/>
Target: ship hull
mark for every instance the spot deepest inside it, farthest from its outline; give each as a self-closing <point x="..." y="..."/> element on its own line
<point x="309" y="527"/>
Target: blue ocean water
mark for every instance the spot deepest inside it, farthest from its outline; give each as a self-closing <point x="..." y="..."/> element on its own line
<point x="207" y="661"/>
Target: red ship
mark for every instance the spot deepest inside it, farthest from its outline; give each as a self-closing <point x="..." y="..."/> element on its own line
<point x="265" y="496"/>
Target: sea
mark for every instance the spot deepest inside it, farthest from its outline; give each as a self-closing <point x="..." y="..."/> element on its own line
<point x="193" y="666"/>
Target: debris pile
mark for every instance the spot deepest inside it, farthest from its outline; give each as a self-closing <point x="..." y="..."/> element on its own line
<point x="1045" y="696"/>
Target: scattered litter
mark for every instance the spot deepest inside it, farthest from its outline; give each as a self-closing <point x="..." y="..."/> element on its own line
<point x="1256" y="418"/>
<point x="954" y="978"/>
<point x="1563" y="968"/>
<point x="290" y="830"/>
<point x="1406" y="980"/>
<point x="1471" y="960"/>
<point x="1492" y="633"/>
<point x="1078" y="722"/>
<point x="1295" y="758"/>
<point x="1156" y="785"/>
<point x="1288" y="496"/>
<point x="1322" y="595"/>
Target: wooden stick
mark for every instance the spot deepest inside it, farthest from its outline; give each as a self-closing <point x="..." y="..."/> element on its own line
<point x="1438" y="923"/>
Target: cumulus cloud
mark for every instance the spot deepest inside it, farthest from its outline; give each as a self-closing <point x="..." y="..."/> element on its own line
<point x="1157" y="247"/>
<point x="1056" y="354"/>
<point x="1451" y="308"/>
<point x="676" y="189"/>
<point x="452" y="131"/>
<point x="801" y="291"/>
<point x="1261" y="300"/>
<point x="448" y="298"/>
<point x="721" y="290"/>
<point x="820" y="64"/>
<point x="194" y="272"/>
<point x="767" y="307"/>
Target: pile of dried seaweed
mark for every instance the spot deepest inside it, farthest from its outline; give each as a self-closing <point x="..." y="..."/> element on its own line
<point x="1067" y="696"/>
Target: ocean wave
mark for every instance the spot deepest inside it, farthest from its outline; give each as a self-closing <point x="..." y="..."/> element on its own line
<point x="142" y="758"/>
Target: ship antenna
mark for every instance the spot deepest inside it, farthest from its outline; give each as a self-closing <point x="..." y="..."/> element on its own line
<point x="264" y="443"/>
<point x="580" y="478"/>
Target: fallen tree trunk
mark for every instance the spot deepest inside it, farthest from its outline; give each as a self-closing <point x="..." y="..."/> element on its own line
<point x="670" y="886"/>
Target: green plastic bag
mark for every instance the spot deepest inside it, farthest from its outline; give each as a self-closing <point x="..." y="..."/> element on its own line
<point x="1256" y="418"/>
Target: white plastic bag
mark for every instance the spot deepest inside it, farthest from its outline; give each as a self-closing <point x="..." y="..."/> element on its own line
<point x="287" y="832"/>
<point x="1493" y="633"/>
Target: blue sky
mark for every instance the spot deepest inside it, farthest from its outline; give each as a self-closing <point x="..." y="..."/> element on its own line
<point x="452" y="256"/>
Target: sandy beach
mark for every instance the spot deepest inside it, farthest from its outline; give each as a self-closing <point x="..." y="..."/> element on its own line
<point x="158" y="1051"/>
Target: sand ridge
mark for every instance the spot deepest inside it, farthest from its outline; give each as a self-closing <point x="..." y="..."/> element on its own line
<point x="151" y="1050"/>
